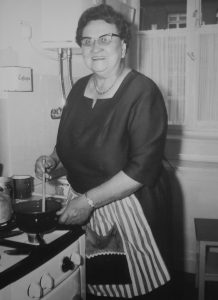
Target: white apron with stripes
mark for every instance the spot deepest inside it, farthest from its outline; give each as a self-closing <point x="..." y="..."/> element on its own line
<point x="146" y="266"/>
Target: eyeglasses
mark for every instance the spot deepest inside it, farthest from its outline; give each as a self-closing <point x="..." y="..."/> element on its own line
<point x="102" y="40"/>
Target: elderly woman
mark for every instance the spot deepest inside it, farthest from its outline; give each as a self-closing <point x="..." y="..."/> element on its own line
<point x="111" y="141"/>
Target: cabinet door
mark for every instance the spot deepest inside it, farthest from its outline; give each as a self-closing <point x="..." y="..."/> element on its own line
<point x="60" y="18"/>
<point x="128" y="11"/>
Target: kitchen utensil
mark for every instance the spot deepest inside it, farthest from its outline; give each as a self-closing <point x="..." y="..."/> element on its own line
<point x="5" y="208"/>
<point x="6" y="185"/>
<point x="31" y="219"/>
<point x="43" y="186"/>
<point x="23" y="185"/>
<point x="9" y="225"/>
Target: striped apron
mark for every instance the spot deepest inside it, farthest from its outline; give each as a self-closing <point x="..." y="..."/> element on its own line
<point x="146" y="266"/>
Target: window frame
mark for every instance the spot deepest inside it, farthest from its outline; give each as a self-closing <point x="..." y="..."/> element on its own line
<point x="177" y="21"/>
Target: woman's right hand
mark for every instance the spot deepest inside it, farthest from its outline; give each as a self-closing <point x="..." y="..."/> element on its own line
<point x="44" y="163"/>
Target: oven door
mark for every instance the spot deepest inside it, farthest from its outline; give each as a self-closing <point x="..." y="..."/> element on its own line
<point x="69" y="289"/>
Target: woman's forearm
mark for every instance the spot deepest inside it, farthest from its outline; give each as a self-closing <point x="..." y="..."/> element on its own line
<point x="118" y="187"/>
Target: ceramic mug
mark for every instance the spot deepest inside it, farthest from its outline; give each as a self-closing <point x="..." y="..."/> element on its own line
<point x="22" y="186"/>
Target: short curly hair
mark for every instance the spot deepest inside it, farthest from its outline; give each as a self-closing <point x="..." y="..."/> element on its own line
<point x="109" y="15"/>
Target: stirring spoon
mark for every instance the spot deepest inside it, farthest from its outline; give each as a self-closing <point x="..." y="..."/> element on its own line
<point x="43" y="185"/>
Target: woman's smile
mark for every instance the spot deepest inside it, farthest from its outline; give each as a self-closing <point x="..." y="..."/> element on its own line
<point x="98" y="58"/>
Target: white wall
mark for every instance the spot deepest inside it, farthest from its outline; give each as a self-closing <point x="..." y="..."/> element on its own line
<point x="194" y="189"/>
<point x="26" y="129"/>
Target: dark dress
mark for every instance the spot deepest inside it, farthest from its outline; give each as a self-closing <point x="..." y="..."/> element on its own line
<point x="126" y="132"/>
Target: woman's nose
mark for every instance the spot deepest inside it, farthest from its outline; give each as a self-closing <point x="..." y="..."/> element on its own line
<point x="95" y="46"/>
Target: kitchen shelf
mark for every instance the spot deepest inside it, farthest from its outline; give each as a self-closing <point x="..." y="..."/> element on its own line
<point x="55" y="45"/>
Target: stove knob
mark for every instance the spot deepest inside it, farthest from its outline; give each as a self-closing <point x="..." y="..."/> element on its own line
<point x="67" y="264"/>
<point x="34" y="291"/>
<point x="47" y="282"/>
<point x="76" y="259"/>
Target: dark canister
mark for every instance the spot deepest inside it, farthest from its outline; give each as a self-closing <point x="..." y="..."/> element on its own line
<point x="23" y="185"/>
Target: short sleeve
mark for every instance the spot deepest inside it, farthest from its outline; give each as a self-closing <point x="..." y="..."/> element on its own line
<point x="147" y="127"/>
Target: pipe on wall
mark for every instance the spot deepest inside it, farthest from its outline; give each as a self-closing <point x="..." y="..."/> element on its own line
<point x="56" y="112"/>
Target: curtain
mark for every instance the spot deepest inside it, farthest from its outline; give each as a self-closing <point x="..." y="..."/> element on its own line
<point x="162" y="57"/>
<point x="208" y="77"/>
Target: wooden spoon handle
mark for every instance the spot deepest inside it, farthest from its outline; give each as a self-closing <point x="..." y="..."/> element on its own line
<point x="43" y="187"/>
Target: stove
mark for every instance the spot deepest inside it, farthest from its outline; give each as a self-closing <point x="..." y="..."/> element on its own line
<point x="48" y="266"/>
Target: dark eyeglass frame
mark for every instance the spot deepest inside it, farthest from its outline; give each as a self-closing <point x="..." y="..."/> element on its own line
<point x="98" y="40"/>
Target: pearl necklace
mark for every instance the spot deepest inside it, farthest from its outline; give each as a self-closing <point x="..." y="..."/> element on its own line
<point x="103" y="92"/>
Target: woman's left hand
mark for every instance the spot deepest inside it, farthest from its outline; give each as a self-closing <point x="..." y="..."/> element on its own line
<point x="76" y="212"/>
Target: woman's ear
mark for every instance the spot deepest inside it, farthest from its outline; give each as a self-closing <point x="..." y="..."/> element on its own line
<point x="123" y="54"/>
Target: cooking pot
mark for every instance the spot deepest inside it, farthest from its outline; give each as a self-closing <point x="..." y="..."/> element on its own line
<point x="31" y="219"/>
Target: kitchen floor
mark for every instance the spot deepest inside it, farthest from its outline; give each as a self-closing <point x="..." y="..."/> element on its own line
<point x="184" y="288"/>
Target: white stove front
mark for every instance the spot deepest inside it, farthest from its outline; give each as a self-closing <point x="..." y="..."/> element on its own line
<point x="62" y="277"/>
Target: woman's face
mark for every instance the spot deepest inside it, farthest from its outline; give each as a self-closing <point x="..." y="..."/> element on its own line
<point x="103" y="60"/>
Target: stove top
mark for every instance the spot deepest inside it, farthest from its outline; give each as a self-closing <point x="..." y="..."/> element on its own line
<point x="15" y="251"/>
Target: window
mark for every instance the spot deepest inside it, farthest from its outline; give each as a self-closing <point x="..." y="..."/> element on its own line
<point x="162" y="55"/>
<point x="156" y="14"/>
<point x="209" y="10"/>
<point x="176" y="20"/>
<point x="183" y="62"/>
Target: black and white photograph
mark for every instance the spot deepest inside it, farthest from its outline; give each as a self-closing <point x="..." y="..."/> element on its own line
<point x="109" y="149"/>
